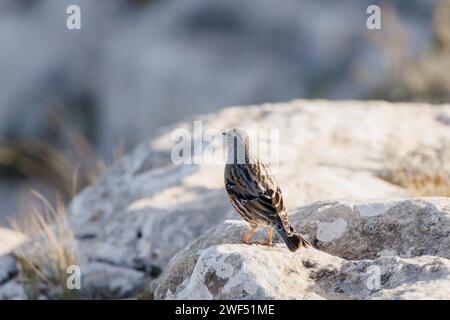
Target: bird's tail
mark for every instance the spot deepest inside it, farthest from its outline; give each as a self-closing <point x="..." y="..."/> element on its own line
<point x="292" y="239"/>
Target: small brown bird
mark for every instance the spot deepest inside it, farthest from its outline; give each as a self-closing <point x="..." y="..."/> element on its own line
<point x="254" y="193"/>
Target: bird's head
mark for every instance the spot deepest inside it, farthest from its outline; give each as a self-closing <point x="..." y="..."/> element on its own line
<point x="237" y="141"/>
<point x="236" y="136"/>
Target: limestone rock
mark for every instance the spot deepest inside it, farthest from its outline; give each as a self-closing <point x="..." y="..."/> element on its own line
<point x="208" y="270"/>
<point x="407" y="242"/>
<point x="366" y="230"/>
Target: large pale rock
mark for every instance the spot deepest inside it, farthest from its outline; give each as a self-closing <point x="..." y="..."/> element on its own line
<point x="146" y="208"/>
<point x="233" y="271"/>
<point x="407" y="240"/>
<point x="366" y="230"/>
<point x="208" y="270"/>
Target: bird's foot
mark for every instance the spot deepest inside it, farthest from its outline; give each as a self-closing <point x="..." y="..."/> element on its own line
<point x="261" y="243"/>
<point x="266" y="243"/>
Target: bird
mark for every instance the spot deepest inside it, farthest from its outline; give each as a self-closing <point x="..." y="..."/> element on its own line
<point x="254" y="193"/>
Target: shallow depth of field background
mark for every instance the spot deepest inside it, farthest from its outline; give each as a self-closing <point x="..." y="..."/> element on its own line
<point x="73" y="100"/>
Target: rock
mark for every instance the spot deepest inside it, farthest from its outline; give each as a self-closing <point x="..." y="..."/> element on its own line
<point x="424" y="277"/>
<point x="9" y="239"/>
<point x="101" y="280"/>
<point x="8" y="268"/>
<point x="12" y="290"/>
<point x="246" y="272"/>
<point x="405" y="228"/>
<point x="98" y="280"/>
<point x="209" y="270"/>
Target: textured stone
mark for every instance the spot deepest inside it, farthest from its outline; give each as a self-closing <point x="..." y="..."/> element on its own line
<point x="8" y="268"/>
<point x="101" y="280"/>
<point x="406" y="228"/>
<point x="208" y="270"/>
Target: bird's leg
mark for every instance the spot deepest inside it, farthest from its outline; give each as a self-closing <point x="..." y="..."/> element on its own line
<point x="247" y="237"/>
<point x="269" y="242"/>
<point x="270" y="236"/>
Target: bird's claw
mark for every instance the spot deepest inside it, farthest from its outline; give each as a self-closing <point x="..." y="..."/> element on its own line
<point x="266" y="243"/>
<point x="261" y="243"/>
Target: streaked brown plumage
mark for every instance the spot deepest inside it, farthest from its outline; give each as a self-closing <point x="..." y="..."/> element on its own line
<point x="254" y="193"/>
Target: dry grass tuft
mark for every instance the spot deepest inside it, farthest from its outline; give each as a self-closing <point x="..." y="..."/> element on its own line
<point x="424" y="172"/>
<point x="51" y="248"/>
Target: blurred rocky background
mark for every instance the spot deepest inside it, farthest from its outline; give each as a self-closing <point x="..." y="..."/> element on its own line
<point x="71" y="97"/>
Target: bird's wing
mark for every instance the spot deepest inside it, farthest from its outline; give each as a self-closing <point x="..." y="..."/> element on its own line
<point x="240" y="183"/>
<point x="254" y="185"/>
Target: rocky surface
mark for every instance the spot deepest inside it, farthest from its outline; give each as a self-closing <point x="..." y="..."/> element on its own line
<point x="366" y="230"/>
<point x="406" y="242"/>
<point x="145" y="209"/>
<point x="236" y="271"/>
<point x="9" y="239"/>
